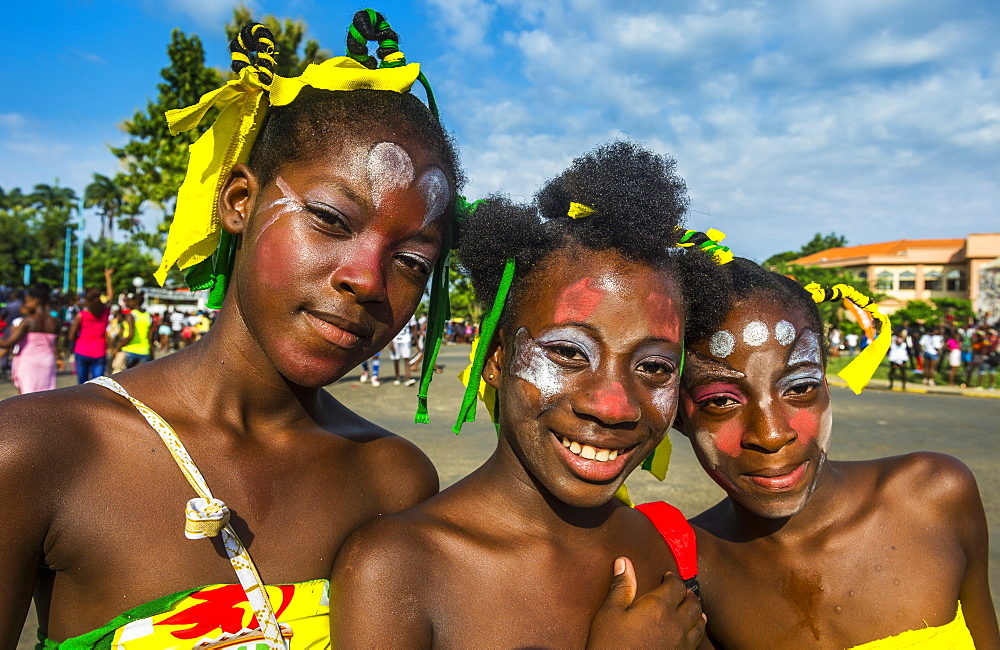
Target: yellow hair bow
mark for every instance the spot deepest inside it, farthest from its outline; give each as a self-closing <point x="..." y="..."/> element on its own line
<point x="709" y="242"/>
<point x="859" y="372"/>
<point x="579" y="211"/>
<point x="195" y="231"/>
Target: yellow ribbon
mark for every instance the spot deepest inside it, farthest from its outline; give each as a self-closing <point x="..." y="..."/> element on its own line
<point x="859" y="372"/>
<point x="720" y="253"/>
<point x="486" y="393"/>
<point x="243" y="103"/>
<point x="579" y="211"/>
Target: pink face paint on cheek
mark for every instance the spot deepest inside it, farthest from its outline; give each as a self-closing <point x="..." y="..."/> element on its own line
<point x="729" y="439"/>
<point x="577" y="302"/>
<point x="612" y="402"/>
<point x="805" y="424"/>
<point x="663" y="317"/>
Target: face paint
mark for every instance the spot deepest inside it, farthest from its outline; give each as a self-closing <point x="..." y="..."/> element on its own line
<point x="721" y="344"/>
<point x="577" y="302"/>
<point x="532" y="365"/>
<point x="784" y="332"/>
<point x="755" y="333"/>
<point x="389" y="168"/>
<point x="433" y="186"/>
<point x="806" y="350"/>
<point x="729" y="440"/>
<point x="288" y="203"/>
<point x="805" y="424"/>
<point x="663" y="316"/>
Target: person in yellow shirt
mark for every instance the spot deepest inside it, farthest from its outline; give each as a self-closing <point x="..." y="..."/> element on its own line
<point x="137" y="332"/>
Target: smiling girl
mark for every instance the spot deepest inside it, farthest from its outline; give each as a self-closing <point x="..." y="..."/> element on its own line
<point x="589" y="308"/>
<point x="804" y="551"/>
<point x="325" y="234"/>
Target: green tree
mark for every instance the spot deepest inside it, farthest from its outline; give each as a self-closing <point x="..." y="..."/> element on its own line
<point x="462" y="297"/>
<point x="154" y="160"/>
<point x="104" y="194"/>
<point x="832" y="312"/>
<point x="288" y="36"/>
<point x="18" y="244"/>
<point x="129" y="260"/>
<point x="54" y="207"/>
<point x="818" y="243"/>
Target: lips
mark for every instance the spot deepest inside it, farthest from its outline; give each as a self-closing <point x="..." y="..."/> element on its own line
<point x="337" y="330"/>
<point x="591" y="462"/>
<point x="779" y="479"/>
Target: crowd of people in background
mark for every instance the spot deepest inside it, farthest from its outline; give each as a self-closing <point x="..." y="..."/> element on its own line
<point x="98" y="332"/>
<point x="406" y="351"/>
<point x="955" y="353"/>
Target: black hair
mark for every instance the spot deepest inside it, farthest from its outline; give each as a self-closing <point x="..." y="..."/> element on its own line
<point x="302" y="129"/>
<point x="41" y="292"/>
<point x="638" y="204"/>
<point x="745" y="279"/>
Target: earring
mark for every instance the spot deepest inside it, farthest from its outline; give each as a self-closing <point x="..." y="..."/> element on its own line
<point x="491" y="375"/>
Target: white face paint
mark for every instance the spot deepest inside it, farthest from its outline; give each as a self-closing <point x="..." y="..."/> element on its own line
<point x="806" y="349"/>
<point x="433" y="186"/>
<point x="755" y="333"/>
<point x="287" y="204"/>
<point x="389" y="168"/>
<point x="722" y="344"/>
<point x="784" y="332"/>
<point x="531" y="364"/>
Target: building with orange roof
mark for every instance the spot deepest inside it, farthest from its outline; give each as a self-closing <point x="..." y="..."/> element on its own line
<point x="916" y="269"/>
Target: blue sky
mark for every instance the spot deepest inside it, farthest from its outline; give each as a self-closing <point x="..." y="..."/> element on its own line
<point x="877" y="119"/>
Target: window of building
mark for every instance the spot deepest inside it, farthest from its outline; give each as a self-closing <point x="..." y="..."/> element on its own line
<point x="907" y="280"/>
<point x="955" y="280"/>
<point x="932" y="281"/>
<point x="886" y="281"/>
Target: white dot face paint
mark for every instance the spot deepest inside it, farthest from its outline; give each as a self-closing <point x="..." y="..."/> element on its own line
<point x="755" y="333"/>
<point x="806" y="349"/>
<point x="784" y="332"/>
<point x="433" y="186"/>
<point x="287" y="204"/>
<point x="389" y="168"/>
<point x="721" y="344"/>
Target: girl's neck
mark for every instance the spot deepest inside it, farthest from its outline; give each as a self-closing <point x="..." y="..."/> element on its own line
<point x="514" y="491"/>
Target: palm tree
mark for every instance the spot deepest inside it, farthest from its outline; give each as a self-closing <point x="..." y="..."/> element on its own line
<point x="55" y="205"/>
<point x="107" y="196"/>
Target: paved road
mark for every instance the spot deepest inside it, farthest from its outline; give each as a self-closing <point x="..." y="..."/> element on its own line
<point x="876" y="423"/>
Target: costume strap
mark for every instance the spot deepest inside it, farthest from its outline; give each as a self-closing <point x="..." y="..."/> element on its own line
<point x="207" y="516"/>
<point x="197" y="243"/>
<point x="859" y="372"/>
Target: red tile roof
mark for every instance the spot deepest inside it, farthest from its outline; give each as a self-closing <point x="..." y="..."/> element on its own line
<point x="883" y="248"/>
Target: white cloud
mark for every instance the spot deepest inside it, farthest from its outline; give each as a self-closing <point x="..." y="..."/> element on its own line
<point x="466" y="21"/>
<point x="206" y="13"/>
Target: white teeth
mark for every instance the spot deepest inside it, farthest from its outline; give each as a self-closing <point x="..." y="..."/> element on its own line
<point x="589" y="451"/>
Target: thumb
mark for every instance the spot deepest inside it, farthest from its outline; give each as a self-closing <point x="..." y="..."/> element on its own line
<point x="621" y="593"/>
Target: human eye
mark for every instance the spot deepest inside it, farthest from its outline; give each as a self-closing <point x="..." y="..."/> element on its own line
<point x="802" y="388"/>
<point x="566" y="353"/>
<point x="657" y="370"/>
<point x="717" y="397"/>
<point x="330" y="217"/>
<point x="417" y="264"/>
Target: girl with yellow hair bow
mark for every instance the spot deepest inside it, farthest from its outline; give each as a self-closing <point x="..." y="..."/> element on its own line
<point x="314" y="210"/>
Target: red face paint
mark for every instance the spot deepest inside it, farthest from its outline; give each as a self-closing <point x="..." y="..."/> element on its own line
<point x="664" y="320"/>
<point x="805" y="424"/>
<point x="729" y="439"/>
<point x="612" y="403"/>
<point x="577" y="302"/>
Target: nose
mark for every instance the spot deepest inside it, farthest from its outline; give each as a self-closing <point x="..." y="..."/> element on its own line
<point x="361" y="271"/>
<point x="610" y="402"/>
<point x="769" y="429"/>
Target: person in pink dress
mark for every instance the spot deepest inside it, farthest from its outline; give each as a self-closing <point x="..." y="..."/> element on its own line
<point x="34" y="366"/>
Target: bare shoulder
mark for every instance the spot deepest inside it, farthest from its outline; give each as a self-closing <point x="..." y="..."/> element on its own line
<point x="398" y="474"/>
<point x="715" y="521"/>
<point x="931" y="479"/>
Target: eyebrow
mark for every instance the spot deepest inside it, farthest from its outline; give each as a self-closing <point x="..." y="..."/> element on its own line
<point x="717" y="368"/>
